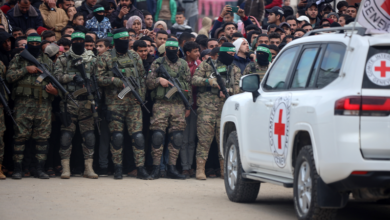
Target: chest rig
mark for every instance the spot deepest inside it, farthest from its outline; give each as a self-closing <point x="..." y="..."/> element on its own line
<point x="226" y="75"/>
<point x="160" y="92"/>
<point x="27" y="86"/>
<point x="72" y="70"/>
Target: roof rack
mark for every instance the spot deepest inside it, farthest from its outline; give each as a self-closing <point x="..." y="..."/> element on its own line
<point x="360" y="30"/>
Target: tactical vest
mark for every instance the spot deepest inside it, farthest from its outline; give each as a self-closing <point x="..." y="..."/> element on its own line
<point x="27" y="86"/>
<point x="160" y="91"/>
<point x="72" y="70"/>
<point x="226" y="75"/>
<point x="128" y="66"/>
<point x="258" y="72"/>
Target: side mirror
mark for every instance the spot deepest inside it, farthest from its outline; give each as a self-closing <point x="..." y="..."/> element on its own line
<point x="251" y="83"/>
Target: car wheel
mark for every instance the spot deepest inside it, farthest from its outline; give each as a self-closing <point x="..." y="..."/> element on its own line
<point x="237" y="188"/>
<point x="305" y="188"/>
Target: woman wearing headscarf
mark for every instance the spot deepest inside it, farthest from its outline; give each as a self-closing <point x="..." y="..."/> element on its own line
<point x="161" y="25"/>
<point x="135" y="23"/>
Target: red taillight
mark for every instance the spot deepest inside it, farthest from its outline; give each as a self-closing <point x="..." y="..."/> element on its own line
<point x="363" y="106"/>
<point x="359" y="172"/>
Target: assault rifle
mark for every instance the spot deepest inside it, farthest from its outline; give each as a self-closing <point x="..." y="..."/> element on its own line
<point x="26" y="55"/>
<point x="87" y="83"/>
<point x="128" y="86"/>
<point x="220" y="81"/>
<point x="176" y="87"/>
<point x="4" y="102"/>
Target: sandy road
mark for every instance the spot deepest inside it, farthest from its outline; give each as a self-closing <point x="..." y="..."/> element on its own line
<point x="130" y="198"/>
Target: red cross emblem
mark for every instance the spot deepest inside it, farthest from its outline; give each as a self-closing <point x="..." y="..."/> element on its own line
<point x="386" y="6"/>
<point x="382" y="68"/>
<point x="280" y="129"/>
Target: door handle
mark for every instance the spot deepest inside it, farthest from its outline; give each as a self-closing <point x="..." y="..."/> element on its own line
<point x="269" y="104"/>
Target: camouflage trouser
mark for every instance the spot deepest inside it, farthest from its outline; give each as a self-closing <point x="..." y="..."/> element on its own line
<point x="167" y="113"/>
<point x="132" y="116"/>
<point x="208" y="125"/>
<point x="2" y="129"/>
<point x="86" y="124"/>
<point x="33" y="122"/>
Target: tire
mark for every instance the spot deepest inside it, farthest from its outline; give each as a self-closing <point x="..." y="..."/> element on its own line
<point x="306" y="207"/>
<point x="242" y="190"/>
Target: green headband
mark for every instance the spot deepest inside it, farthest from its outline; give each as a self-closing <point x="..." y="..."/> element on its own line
<point x="171" y="44"/>
<point x="265" y="50"/>
<point x="121" y="34"/>
<point x="227" y="49"/>
<point x="34" y="38"/>
<point x="78" y="35"/>
<point x="98" y="9"/>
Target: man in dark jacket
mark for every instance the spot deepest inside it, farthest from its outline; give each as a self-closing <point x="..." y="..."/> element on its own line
<point x="242" y="52"/>
<point x="7" y="43"/>
<point x="124" y="11"/>
<point x="25" y="16"/>
<point x="86" y="8"/>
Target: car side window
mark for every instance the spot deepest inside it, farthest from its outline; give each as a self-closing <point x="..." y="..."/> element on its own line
<point x="304" y="68"/>
<point x="331" y="64"/>
<point x="277" y="76"/>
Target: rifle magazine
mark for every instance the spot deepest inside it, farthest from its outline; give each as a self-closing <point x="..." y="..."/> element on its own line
<point x="171" y="92"/>
<point x="124" y="92"/>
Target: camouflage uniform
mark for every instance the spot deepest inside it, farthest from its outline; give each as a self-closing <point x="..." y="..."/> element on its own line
<point x="168" y="112"/>
<point x="254" y="67"/>
<point x="2" y="122"/>
<point x="32" y="107"/>
<point x="64" y="71"/>
<point x="126" y="110"/>
<point x="210" y="105"/>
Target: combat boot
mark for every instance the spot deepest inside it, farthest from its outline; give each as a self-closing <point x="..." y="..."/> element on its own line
<point x="155" y="172"/>
<point x="173" y="173"/>
<point x="2" y="176"/>
<point x="88" y="172"/>
<point x="143" y="174"/>
<point x="118" y="172"/>
<point x="65" y="169"/>
<point x="221" y="164"/>
<point x="40" y="171"/>
<point x="200" y="164"/>
<point x="17" y="173"/>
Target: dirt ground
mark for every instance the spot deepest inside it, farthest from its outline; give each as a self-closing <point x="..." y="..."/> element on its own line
<point x="130" y="198"/>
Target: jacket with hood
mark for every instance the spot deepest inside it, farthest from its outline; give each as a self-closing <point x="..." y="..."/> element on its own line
<point x="33" y="18"/>
<point x="116" y="22"/>
<point x="172" y="7"/>
<point x="5" y="22"/>
<point x="57" y="19"/>
<point x="206" y="25"/>
<point x="5" y="56"/>
<point x="255" y="8"/>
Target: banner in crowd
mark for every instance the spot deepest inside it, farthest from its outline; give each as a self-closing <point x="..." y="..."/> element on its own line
<point x="375" y="16"/>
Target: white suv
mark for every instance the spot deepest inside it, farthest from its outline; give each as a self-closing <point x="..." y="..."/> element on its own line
<point x="318" y="122"/>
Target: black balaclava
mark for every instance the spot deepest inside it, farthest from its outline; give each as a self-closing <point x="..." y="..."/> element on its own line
<point x="34" y="50"/>
<point x="171" y="54"/>
<point x="121" y="46"/>
<point x="263" y="55"/>
<point x="96" y="9"/>
<point x="78" y="48"/>
<point x="224" y="57"/>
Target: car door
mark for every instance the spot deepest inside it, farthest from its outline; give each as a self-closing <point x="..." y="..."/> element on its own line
<point x="265" y="149"/>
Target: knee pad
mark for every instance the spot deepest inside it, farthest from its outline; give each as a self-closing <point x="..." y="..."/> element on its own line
<point x="176" y="138"/>
<point x="66" y="139"/>
<point x="158" y="138"/>
<point x="89" y="139"/>
<point x="139" y="140"/>
<point x="117" y="140"/>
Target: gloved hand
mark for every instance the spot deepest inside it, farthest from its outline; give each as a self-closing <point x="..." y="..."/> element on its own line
<point x="262" y="58"/>
<point x="213" y="82"/>
<point x="78" y="79"/>
<point x="117" y="82"/>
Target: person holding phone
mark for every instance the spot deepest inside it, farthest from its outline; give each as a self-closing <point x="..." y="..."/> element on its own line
<point x="124" y="11"/>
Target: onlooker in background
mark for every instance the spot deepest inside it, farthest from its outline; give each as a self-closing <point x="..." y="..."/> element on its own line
<point x="5" y="22"/>
<point x="286" y="27"/>
<point x="343" y="19"/>
<point x="192" y="52"/>
<point x="78" y="19"/>
<point x="166" y="11"/>
<point x="141" y="48"/>
<point x="44" y="44"/>
<point x="161" y="37"/>
<point x="181" y="25"/>
<point x="251" y="27"/>
<point x="334" y="16"/>
<point x="149" y="43"/>
<point x="303" y="20"/>
<point x="252" y="36"/>
<point x="241" y="57"/>
<point x="325" y="9"/>
<point x="229" y="29"/>
<point x="275" y="39"/>
<point x="7" y="6"/>
<point x="288" y="11"/>
<point x="68" y="30"/>
<point x="286" y="2"/>
<point x="135" y="23"/>
<point x="191" y="12"/>
<point x="99" y="24"/>
<point x="235" y="36"/>
<point x="71" y="11"/>
<point x="30" y="31"/>
<point x="293" y="22"/>
<point x="49" y="36"/>
<point x="124" y="12"/>
<point x="299" y="32"/>
<point x="214" y="53"/>
<point x="86" y="8"/>
<point x="342" y="7"/>
<point x="307" y="27"/>
<point x="52" y="51"/>
<point x="274" y="51"/>
<point x="275" y="15"/>
<point x="262" y="39"/>
<point x="40" y="30"/>
<point x="161" y="25"/>
<point x="205" y="55"/>
<point x="92" y="34"/>
<point x="281" y="33"/>
<point x="352" y="11"/>
<point x="212" y="43"/>
<point x="25" y="16"/>
<point x="54" y="18"/>
<point x="65" y="4"/>
<point x="64" y="43"/>
<point x="148" y="20"/>
<point x="255" y="9"/>
<point x="17" y="32"/>
<point x="89" y="43"/>
<point x="206" y="25"/>
<point x="290" y="38"/>
<point x="312" y="13"/>
<point x="21" y="42"/>
<point x="102" y="45"/>
<point x="184" y="38"/>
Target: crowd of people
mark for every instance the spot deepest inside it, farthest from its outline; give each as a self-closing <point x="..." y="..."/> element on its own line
<point x="132" y="88"/>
